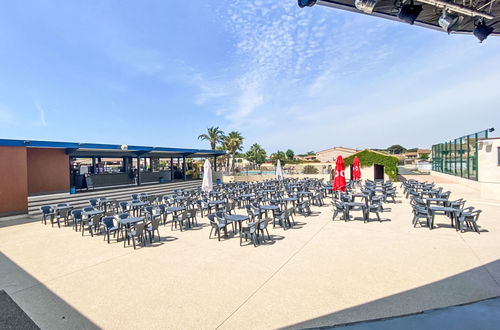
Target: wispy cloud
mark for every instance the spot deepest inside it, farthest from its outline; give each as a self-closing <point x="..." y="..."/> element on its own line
<point x="41" y="112"/>
<point x="313" y="78"/>
<point x="285" y="77"/>
<point x="284" y="55"/>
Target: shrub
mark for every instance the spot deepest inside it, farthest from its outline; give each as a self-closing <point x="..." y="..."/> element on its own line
<point x="309" y="169"/>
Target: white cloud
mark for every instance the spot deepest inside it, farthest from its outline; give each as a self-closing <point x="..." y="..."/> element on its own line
<point x="318" y="77"/>
<point x="283" y="54"/>
<point x="41" y="112"/>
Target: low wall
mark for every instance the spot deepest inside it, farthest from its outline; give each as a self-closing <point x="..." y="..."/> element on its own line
<point x="490" y="190"/>
<point x="155" y="176"/>
<point x="249" y="178"/>
<point x="466" y="182"/>
<point x="487" y="190"/>
<point x="419" y="167"/>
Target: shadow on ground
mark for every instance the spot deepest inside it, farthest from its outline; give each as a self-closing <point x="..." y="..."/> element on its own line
<point x="481" y="284"/>
<point x="45" y="308"/>
<point x="17" y="221"/>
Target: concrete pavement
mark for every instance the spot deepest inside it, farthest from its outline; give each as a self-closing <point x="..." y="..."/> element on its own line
<point x="320" y="273"/>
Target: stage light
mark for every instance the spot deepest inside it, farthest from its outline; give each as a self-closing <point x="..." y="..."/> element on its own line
<point x="365" y="6"/>
<point x="482" y="31"/>
<point x="409" y="12"/>
<point x="306" y="3"/>
<point x="447" y="21"/>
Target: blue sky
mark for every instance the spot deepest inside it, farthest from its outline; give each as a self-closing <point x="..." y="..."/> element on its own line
<point x="160" y="72"/>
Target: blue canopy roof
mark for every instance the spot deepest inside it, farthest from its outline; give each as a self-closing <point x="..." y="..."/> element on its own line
<point x="112" y="150"/>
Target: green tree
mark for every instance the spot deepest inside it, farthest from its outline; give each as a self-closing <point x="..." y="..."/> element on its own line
<point x="309" y="153"/>
<point x="234" y="143"/>
<point x="423" y="156"/>
<point x="290" y="154"/>
<point x="279" y="155"/>
<point x="256" y="155"/>
<point x="396" y="149"/>
<point x="214" y="135"/>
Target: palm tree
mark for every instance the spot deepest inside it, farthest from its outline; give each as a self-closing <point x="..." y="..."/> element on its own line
<point x="233" y="143"/>
<point x="256" y="155"/>
<point x="214" y="135"/>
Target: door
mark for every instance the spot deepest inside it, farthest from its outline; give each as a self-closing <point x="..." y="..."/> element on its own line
<point x="378" y="172"/>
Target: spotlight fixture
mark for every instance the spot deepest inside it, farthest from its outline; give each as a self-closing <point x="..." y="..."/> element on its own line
<point x="481" y="30"/>
<point x="365" y="6"/>
<point x="447" y="21"/>
<point x="409" y="12"/>
<point x="491" y="130"/>
<point x="306" y="3"/>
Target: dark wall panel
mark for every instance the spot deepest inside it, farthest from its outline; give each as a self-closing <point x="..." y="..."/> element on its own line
<point x="48" y="170"/>
<point x="13" y="180"/>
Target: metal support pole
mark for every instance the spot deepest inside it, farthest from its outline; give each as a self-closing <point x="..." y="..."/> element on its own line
<point x="468" y="157"/>
<point x="476" y="156"/>
<point x="171" y="168"/>
<point x="455" y="171"/>
<point x="138" y="171"/>
<point x="215" y="163"/>
<point x="184" y="168"/>
<point x="461" y="158"/>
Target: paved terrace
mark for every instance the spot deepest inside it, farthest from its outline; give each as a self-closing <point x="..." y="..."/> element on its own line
<point x="321" y="273"/>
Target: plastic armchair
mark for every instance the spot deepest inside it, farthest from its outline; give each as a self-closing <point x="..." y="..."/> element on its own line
<point x="152" y="228"/>
<point x="217" y="226"/>
<point x="136" y="233"/>
<point x="469" y="218"/>
<point x="47" y="213"/>
<point x="76" y="214"/>
<point x="110" y="226"/>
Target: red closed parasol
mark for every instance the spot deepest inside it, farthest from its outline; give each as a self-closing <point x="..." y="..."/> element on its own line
<point x="339" y="177"/>
<point x="356" y="169"/>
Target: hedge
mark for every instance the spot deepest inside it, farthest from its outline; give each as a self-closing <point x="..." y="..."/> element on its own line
<point x="369" y="158"/>
<point x="310" y="169"/>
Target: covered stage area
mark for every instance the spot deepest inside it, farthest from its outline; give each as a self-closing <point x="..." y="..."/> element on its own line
<point x="480" y="18"/>
<point x="31" y="168"/>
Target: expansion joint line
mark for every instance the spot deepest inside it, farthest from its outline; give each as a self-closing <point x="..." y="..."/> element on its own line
<point x="272" y="275"/>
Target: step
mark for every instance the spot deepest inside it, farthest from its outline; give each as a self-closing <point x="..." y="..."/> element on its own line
<point x="81" y="200"/>
<point x="109" y="193"/>
<point x="114" y="192"/>
<point x="124" y="196"/>
<point x="96" y="193"/>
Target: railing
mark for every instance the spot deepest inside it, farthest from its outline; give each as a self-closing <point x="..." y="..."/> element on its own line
<point x="459" y="156"/>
